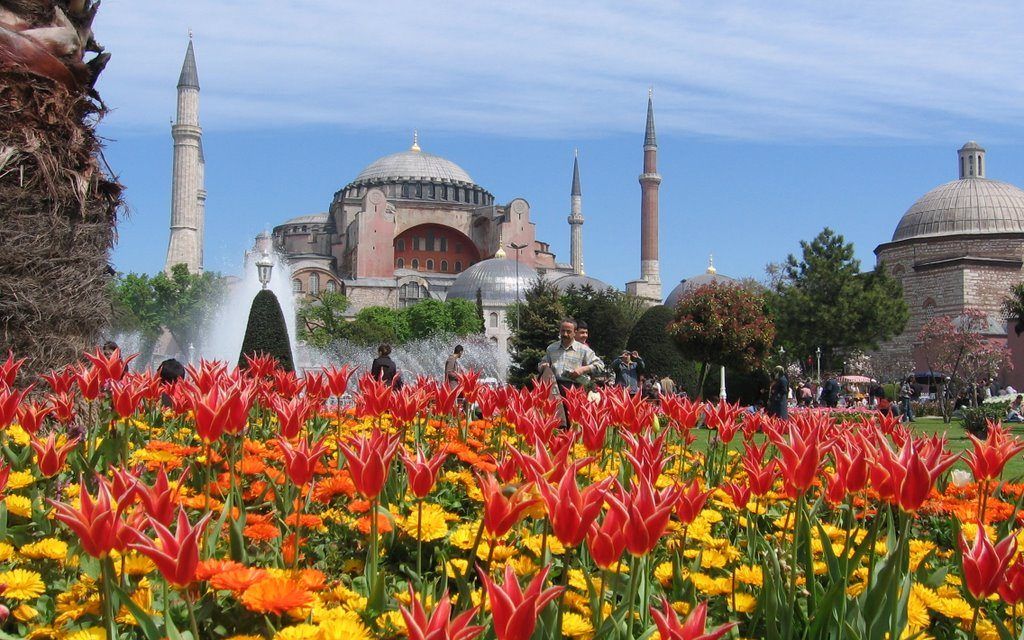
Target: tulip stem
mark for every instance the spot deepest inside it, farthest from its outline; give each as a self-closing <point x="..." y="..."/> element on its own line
<point x="193" y="625"/>
<point x="109" y="623"/>
<point x="419" y="552"/>
<point x="371" y="574"/>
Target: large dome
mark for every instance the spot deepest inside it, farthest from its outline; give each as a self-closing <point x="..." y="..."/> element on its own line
<point x="496" y="281"/>
<point x="973" y="204"/>
<point x="564" y="282"/>
<point x="416" y="165"/>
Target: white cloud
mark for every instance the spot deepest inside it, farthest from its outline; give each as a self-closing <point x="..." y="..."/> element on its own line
<point x="752" y="70"/>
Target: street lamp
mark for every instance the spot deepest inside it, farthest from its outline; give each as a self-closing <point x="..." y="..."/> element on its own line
<point x="782" y="355"/>
<point x="517" y="248"/>
<point x="264" y="265"/>
<point x="817" y="352"/>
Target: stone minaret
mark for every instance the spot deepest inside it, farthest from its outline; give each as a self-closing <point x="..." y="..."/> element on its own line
<point x="649" y="284"/>
<point x="576" y="220"/>
<point x="188" y="195"/>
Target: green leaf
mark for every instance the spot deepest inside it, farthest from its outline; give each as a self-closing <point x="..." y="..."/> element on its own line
<point x="146" y="623"/>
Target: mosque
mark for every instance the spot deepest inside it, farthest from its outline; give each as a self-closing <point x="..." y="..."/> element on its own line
<point x="410" y="226"/>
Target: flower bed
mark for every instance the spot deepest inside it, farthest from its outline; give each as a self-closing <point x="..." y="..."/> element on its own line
<point x="247" y="504"/>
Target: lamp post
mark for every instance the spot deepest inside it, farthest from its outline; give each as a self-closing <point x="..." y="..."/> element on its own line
<point x="517" y="248"/>
<point x="782" y="355"/>
<point x="264" y="266"/>
<point x="817" y="352"/>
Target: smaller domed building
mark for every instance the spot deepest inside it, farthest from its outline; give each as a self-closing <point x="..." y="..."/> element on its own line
<point x="685" y="286"/>
<point x="498" y="282"/>
<point x="960" y="246"/>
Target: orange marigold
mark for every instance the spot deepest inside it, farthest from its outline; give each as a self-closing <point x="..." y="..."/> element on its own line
<point x="261" y="531"/>
<point x="276" y="595"/>
<point x="209" y="568"/>
<point x="383" y="524"/>
<point x="237" y="580"/>
<point x="328" y="488"/>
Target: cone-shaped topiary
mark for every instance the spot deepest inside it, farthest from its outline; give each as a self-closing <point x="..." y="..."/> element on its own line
<point x="267" y="332"/>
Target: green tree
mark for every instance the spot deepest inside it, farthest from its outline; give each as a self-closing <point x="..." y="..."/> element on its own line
<point x="428" y="318"/>
<point x="1013" y="307"/>
<point x="266" y="332"/>
<point x="466" y="317"/>
<point x="725" y="325"/>
<point x="651" y="339"/>
<point x="610" y="315"/>
<point x="823" y="300"/>
<point x="539" y="316"/>
<point x="182" y="303"/>
<point x="321" y="319"/>
<point x="374" y="325"/>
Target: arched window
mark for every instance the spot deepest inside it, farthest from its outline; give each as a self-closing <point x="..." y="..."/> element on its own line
<point x="410" y="293"/>
<point x="444" y="266"/>
<point x="314" y="283"/>
<point x="928" y="303"/>
<point x="400" y="263"/>
<point x="981" y="172"/>
<point x="415" y="263"/>
<point x="331" y="286"/>
<point x="296" y="286"/>
<point x="400" y="244"/>
<point x="458" y="266"/>
<point x="494" y="320"/>
<point x="430" y="264"/>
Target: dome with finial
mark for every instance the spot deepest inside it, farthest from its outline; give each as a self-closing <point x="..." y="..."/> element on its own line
<point x="710" y="276"/>
<point x="495" y="279"/>
<point x="972" y="204"/>
<point x="413" y="164"/>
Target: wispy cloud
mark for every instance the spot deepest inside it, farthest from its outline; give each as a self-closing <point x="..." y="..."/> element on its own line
<point x="806" y="71"/>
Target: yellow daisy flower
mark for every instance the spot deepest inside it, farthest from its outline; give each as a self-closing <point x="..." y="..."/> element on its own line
<point x="48" y="548"/>
<point x="576" y="626"/>
<point x="298" y="632"/>
<point x="348" y="627"/>
<point x="19" y="506"/>
<point x="21" y="584"/>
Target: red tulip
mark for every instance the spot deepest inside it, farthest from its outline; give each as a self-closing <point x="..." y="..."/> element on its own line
<point x="175" y="555"/>
<point x="690" y="502"/>
<point x="97" y="523"/>
<point x="907" y="479"/>
<point x="722" y="416"/>
<point x="423" y="471"/>
<point x="317" y="389"/>
<point x="206" y="375"/>
<point x="851" y="463"/>
<point x="369" y="460"/>
<point x="631" y="411"/>
<point x="125" y="396"/>
<point x="337" y="379"/>
<point x="693" y="628"/>
<point x="535" y="425"/>
<point x="405" y="405"/>
<point x="439" y="626"/>
<point x="10" y="400"/>
<point x="469" y="384"/>
<point x="593" y="421"/>
<point x="9" y="369"/>
<point x="373" y="398"/>
<point x="5" y="475"/>
<point x="444" y="398"/>
<point x="514" y="611"/>
<point x="647" y="455"/>
<point x="989" y="456"/>
<point x="984" y="564"/>
<point x="243" y="396"/>
<point x="760" y="476"/>
<point x="63" y="407"/>
<point x="260" y="366"/>
<point x="489" y="402"/>
<point x="683" y="413"/>
<point x="90" y="382"/>
<point x="1012" y="588"/>
<point x="649" y="513"/>
<point x="31" y="416"/>
<point x="502" y="512"/>
<point x="738" y="493"/>
<point x="62" y="381"/>
<point x="158" y="500"/>
<point x="287" y="384"/>
<point x="212" y="412"/>
<point x="111" y="367"/>
<point x="571" y="511"/>
<point x="607" y="541"/>
<point x="300" y="460"/>
<point x="801" y="456"/>
<point x="49" y="457"/>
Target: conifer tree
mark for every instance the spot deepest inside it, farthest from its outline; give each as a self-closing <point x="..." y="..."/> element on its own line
<point x="538" y="319"/>
<point x="267" y="332"/>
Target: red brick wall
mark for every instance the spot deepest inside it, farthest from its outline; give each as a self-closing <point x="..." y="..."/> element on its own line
<point x="425" y="242"/>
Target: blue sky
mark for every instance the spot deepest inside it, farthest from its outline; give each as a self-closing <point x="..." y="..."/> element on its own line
<point x="773" y="121"/>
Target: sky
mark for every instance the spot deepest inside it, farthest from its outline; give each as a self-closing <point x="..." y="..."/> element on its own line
<point x="774" y="120"/>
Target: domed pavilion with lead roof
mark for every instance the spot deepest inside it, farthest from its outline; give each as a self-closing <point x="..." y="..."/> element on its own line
<point x="960" y="246"/>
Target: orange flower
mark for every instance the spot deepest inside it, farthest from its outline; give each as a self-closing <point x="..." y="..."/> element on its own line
<point x="209" y="568"/>
<point x="261" y="531"/>
<point x="308" y="520"/>
<point x="312" y="579"/>
<point x="328" y="488"/>
<point x="276" y="595"/>
<point x="383" y="524"/>
<point x="237" y="580"/>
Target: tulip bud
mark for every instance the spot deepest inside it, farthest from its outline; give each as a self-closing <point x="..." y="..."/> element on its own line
<point x="4" y="614"/>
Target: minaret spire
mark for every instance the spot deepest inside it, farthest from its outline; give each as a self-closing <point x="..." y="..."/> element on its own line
<point x="576" y="219"/>
<point x="188" y="192"/>
<point x="649" y="284"/>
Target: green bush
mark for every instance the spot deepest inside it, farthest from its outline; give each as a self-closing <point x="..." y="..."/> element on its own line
<point x="266" y="332"/>
<point x="651" y="340"/>
<point x="973" y="419"/>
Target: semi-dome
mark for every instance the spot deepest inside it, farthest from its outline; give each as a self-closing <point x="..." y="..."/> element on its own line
<point x="413" y="164"/>
<point x="970" y="205"/>
<point x="711" y="276"/>
<point x="496" y="281"/>
<point x="564" y="282"/>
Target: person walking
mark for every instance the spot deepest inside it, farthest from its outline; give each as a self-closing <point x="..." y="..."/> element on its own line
<point x="628" y="368"/>
<point x="452" y="366"/>
<point x="668" y="385"/>
<point x="778" y="396"/>
<point x="906" y="395"/>
<point x="383" y="367"/>
<point x="830" y="392"/>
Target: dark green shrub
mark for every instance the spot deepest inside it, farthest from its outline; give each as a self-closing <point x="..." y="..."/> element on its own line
<point x="266" y="332"/>
<point x="973" y="419"/>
